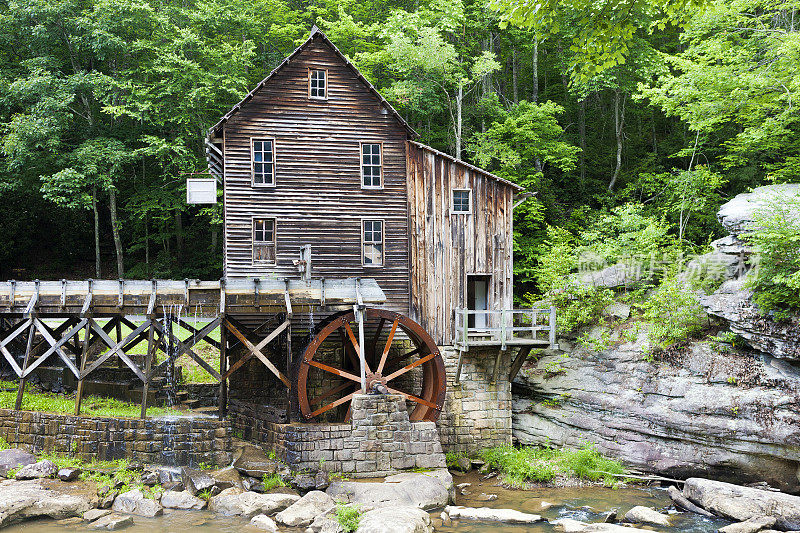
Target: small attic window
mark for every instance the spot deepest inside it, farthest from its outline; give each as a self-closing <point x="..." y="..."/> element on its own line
<point x="318" y="84"/>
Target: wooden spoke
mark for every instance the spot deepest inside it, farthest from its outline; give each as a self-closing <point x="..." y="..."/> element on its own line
<point x="388" y="346"/>
<point x="413" y="398"/>
<point x="375" y="338"/>
<point x="420" y="361"/>
<point x="340" y="373"/>
<point x="353" y="340"/>
<point x="404" y="356"/>
<point x="331" y="405"/>
<point x="348" y="349"/>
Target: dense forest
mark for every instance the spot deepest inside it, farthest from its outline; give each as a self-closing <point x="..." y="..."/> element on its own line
<point x="636" y="118"/>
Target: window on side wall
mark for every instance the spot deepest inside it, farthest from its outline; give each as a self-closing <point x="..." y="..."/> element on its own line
<point x="371" y="165"/>
<point x="462" y="201"/>
<point x="263" y="162"/>
<point x="372" y="243"/>
<point x="264" y="241"/>
<point x="318" y="84"/>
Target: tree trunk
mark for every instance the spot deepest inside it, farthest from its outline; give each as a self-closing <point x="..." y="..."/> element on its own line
<point x="514" y="68"/>
<point x="179" y="233"/>
<point x="147" y="243"/>
<point x="535" y="93"/>
<point x="459" y="103"/>
<point x="619" y="122"/>
<point x="112" y="202"/>
<point x="582" y="134"/>
<point x="96" y="234"/>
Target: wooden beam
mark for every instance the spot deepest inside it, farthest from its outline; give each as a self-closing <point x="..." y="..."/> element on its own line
<point x="260" y="346"/>
<point x="148" y="364"/>
<point x="84" y="357"/>
<point x="250" y="346"/>
<point x="16" y="331"/>
<point x="222" y="402"/>
<point x="55" y="347"/>
<point x="21" y="389"/>
<point x="116" y="348"/>
<point x="519" y="360"/>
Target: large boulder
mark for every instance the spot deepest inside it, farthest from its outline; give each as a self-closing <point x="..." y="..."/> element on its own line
<point x="744" y="503"/>
<point x="485" y="514"/>
<point x="306" y="509"/>
<point x="737" y="215"/>
<point x="13" y="459"/>
<point x="234" y="502"/>
<point x="173" y="499"/>
<point x="45" y="468"/>
<point x="252" y="461"/>
<point x="196" y="480"/>
<point x="395" y="520"/>
<point x="703" y="412"/>
<point x="135" y="502"/>
<point x="646" y="515"/>
<point x="425" y="490"/>
<point x="568" y="525"/>
<point x="21" y="500"/>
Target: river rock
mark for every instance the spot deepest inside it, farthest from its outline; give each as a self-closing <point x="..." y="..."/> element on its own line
<point x="744" y="503"/>
<point x="252" y="461"/>
<point x="135" y="502"/>
<point x="112" y="522"/>
<point x="69" y="474"/>
<point x="172" y="499"/>
<point x="264" y="523"/>
<point x="568" y="525"/>
<point x="324" y="523"/>
<point x="93" y="514"/>
<point x="754" y="525"/>
<point x="682" y="503"/>
<point x="612" y="277"/>
<point x="426" y="490"/>
<point x="196" y="480"/>
<point x="38" y="470"/>
<point x="226" y="478"/>
<point x="21" y="500"/>
<point x="395" y="520"/>
<point x="14" y="458"/>
<point x="646" y="515"/>
<point x="234" y="502"/>
<point x="680" y="418"/>
<point x="509" y="516"/>
<point x="306" y="509"/>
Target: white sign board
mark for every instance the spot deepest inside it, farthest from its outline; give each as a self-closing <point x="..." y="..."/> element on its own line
<point x="201" y="191"/>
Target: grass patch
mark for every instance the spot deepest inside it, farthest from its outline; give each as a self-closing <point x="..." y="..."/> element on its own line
<point x="519" y="466"/>
<point x="56" y="403"/>
<point x="272" y="481"/>
<point x="348" y="516"/>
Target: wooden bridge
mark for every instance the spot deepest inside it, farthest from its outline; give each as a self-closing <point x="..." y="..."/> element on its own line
<point x="149" y="309"/>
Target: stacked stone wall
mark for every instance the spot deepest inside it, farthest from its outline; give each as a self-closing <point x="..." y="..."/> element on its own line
<point x="179" y="442"/>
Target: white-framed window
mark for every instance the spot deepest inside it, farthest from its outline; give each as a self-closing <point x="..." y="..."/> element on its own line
<point x="263" y="162"/>
<point x="318" y="84"/>
<point x="371" y="165"/>
<point x="264" y="241"/>
<point x="372" y="242"/>
<point x="461" y="201"/>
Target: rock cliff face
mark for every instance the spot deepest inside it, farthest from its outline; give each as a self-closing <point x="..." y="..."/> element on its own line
<point x="704" y="409"/>
<point x="727" y="416"/>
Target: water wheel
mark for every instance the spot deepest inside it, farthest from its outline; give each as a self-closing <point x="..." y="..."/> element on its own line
<point x="401" y="359"/>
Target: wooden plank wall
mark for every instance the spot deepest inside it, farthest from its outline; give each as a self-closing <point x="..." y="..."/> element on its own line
<point x="318" y="198"/>
<point x="446" y="247"/>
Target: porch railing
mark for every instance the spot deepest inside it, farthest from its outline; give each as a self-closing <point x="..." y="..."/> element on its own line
<point x="505" y="327"/>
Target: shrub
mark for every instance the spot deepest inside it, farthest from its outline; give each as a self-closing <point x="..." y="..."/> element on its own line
<point x="674" y="314"/>
<point x="272" y="481"/>
<point x="452" y="458"/>
<point x="776" y="280"/>
<point x="348" y="516"/>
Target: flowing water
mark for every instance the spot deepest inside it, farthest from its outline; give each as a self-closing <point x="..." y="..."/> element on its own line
<point x="580" y="503"/>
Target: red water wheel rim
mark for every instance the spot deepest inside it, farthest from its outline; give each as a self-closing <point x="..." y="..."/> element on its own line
<point x="382" y="366"/>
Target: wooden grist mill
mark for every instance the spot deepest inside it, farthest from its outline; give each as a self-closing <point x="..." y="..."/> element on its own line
<point x="356" y="261"/>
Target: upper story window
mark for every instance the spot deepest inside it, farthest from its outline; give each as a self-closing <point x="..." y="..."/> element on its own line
<point x="263" y="161"/>
<point x="264" y="241"/>
<point x="371" y="166"/>
<point x="462" y="201"/>
<point x="318" y="84"/>
<point x="372" y="243"/>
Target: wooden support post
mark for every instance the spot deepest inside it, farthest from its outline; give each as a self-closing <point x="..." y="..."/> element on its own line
<point x="458" y="366"/>
<point x="118" y="329"/>
<point x="552" y="336"/>
<point x="148" y="364"/>
<point x="223" y="367"/>
<point x="522" y="355"/>
<point x="84" y="356"/>
<point x="497" y="362"/>
<point x="290" y="390"/>
<point x="22" y="380"/>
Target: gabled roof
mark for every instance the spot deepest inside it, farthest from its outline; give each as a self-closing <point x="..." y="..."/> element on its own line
<point x="464" y="164"/>
<point x="316" y="33"/>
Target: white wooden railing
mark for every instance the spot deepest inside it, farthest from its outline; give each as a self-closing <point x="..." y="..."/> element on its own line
<point x="505" y="327"/>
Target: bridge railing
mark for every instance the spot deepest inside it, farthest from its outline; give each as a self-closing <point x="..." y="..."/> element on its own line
<point x="534" y="327"/>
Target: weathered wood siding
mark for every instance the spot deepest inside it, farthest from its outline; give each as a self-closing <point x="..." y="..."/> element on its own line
<point x="317" y="198"/>
<point x="446" y="247"/>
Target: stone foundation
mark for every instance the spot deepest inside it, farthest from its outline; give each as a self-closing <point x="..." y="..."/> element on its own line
<point x="477" y="412"/>
<point x="379" y="440"/>
<point x="177" y="442"/>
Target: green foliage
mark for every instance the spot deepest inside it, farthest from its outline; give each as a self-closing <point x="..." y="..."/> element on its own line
<point x="348" y="516"/>
<point x="3" y="444"/>
<point x="204" y="494"/>
<point x="776" y="279"/>
<point x="674" y="314"/>
<point x="272" y="481"/>
<point x="519" y="466"/>
<point x="452" y="458"/>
